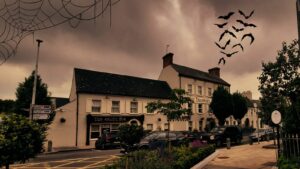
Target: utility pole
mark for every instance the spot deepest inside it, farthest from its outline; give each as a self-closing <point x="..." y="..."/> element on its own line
<point x="35" y="80"/>
<point x="298" y="19"/>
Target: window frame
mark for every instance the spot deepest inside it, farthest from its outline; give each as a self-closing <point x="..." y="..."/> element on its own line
<point x="200" y="104"/>
<point x="112" y="106"/>
<point x="91" y="131"/>
<point x="94" y="106"/>
<point x="132" y="108"/>
<point x="199" y="92"/>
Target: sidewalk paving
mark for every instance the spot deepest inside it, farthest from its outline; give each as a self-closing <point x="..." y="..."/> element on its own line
<point x="245" y="157"/>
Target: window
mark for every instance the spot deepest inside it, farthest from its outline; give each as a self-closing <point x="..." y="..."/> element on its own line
<point x="166" y="127"/>
<point x="114" y="127"/>
<point x="149" y="126"/>
<point x="200" y="110"/>
<point x="115" y="107"/>
<point x="133" y="107"/>
<point x="95" y="131"/>
<point x="96" y="105"/>
<point x="190" y="89"/>
<point x="209" y="92"/>
<point x="199" y="90"/>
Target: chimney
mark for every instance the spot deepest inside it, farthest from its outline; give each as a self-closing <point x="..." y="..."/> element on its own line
<point x="214" y="71"/>
<point x="168" y="59"/>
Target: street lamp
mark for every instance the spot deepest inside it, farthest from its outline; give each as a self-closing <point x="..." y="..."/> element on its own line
<point x="35" y="80"/>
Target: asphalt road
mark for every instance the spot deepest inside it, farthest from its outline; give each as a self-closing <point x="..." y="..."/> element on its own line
<point x="83" y="159"/>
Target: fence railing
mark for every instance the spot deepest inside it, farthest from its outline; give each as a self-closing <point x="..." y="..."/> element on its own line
<point x="290" y="146"/>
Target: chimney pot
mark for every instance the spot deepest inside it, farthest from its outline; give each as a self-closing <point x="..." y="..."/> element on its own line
<point x="168" y="59"/>
<point x="214" y="71"/>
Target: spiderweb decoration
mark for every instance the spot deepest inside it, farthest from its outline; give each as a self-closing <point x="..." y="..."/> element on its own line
<point x="20" y="18"/>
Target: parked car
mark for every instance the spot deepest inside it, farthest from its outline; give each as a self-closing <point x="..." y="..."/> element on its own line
<point x="108" y="141"/>
<point x="218" y="135"/>
<point x="158" y="139"/>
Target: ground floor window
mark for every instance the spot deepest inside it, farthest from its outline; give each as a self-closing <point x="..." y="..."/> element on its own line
<point x="95" y="131"/>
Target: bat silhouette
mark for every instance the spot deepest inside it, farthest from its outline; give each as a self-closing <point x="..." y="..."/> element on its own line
<point x="240" y="45"/>
<point x="237" y="30"/>
<point x="225" y="32"/>
<point x="229" y="54"/>
<point x="222" y="60"/>
<point x="250" y="36"/>
<point x="224" y="47"/>
<point x="226" y="17"/>
<point x="246" y="24"/>
<point x="244" y="15"/>
<point x="221" y="25"/>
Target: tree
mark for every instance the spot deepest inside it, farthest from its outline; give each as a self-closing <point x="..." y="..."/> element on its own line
<point x="240" y="106"/>
<point x="279" y="84"/>
<point x="24" y="95"/>
<point x="20" y="139"/>
<point x="221" y="104"/>
<point x="173" y="109"/>
<point x="7" y="106"/>
<point x="130" y="133"/>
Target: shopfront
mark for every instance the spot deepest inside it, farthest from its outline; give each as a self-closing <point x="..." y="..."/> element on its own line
<point x="97" y="124"/>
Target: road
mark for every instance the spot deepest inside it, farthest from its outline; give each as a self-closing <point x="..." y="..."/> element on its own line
<point x="84" y="159"/>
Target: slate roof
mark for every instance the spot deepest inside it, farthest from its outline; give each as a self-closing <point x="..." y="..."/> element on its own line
<point x="88" y="81"/>
<point x="60" y="101"/>
<point x="197" y="74"/>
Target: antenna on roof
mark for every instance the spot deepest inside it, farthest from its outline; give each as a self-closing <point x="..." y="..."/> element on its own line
<point x="167" y="47"/>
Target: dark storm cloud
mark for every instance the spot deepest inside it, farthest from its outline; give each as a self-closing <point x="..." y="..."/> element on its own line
<point x="140" y="31"/>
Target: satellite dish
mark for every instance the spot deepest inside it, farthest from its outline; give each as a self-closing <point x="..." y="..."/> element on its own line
<point x="276" y="117"/>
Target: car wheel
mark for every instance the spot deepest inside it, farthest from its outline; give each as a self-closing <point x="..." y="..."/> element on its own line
<point x="218" y="143"/>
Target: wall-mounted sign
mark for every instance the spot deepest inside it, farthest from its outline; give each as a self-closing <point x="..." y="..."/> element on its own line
<point x="276" y="117"/>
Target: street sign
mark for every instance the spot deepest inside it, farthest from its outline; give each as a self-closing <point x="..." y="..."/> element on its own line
<point x="276" y="117"/>
<point x="40" y="116"/>
<point x="42" y="109"/>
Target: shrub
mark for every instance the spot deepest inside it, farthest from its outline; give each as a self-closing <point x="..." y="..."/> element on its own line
<point x="284" y="163"/>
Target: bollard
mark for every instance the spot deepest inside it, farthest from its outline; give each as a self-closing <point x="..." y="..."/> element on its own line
<point x="49" y="146"/>
<point x="228" y="143"/>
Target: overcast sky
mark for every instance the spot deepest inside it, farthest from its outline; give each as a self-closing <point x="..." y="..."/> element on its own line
<point x="136" y="43"/>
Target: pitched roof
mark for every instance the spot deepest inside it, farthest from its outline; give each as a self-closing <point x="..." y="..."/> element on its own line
<point x="88" y="81"/>
<point x="60" y="101"/>
<point x="197" y="74"/>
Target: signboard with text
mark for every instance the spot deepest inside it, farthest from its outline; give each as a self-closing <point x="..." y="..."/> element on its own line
<point x="41" y="112"/>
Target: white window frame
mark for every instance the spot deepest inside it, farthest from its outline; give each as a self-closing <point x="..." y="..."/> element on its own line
<point x="94" y="106"/>
<point x="200" y="104"/>
<point x="91" y="131"/>
<point x="200" y="92"/>
<point x="115" y="107"/>
<point x="134" y="108"/>
<point x="189" y="89"/>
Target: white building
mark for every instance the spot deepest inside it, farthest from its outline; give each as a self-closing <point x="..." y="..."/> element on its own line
<point x="200" y="86"/>
<point x="102" y="101"/>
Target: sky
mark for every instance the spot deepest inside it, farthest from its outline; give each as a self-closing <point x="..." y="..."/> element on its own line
<point x="136" y="41"/>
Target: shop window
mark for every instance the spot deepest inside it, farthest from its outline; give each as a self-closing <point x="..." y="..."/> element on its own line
<point x="96" y="105"/>
<point x="133" y="107"/>
<point x="115" y="108"/>
<point x="200" y="108"/>
<point x="114" y="127"/>
<point x="95" y="131"/>
<point x="199" y="90"/>
<point x="190" y="89"/>
<point x="150" y="127"/>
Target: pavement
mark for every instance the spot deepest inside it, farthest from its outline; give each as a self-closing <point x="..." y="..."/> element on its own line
<point x="245" y="157"/>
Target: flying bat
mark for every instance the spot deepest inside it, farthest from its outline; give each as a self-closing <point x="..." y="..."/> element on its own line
<point x="246" y="17"/>
<point x="221" y="25"/>
<point x="222" y="60"/>
<point x="229" y="54"/>
<point x="246" y="24"/>
<point x="240" y="45"/>
<point x="237" y="30"/>
<point x="224" y="47"/>
<point x="225" y="32"/>
<point x="250" y="36"/>
<point x="226" y="17"/>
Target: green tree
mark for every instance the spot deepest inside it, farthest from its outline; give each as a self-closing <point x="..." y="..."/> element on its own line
<point x="7" y="106"/>
<point x="173" y="109"/>
<point x="20" y="139"/>
<point x="24" y="95"/>
<point x="240" y="106"/>
<point x="130" y="133"/>
<point x="221" y="104"/>
<point x="279" y="84"/>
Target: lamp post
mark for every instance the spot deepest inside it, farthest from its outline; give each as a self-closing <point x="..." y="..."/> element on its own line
<point x="35" y="80"/>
